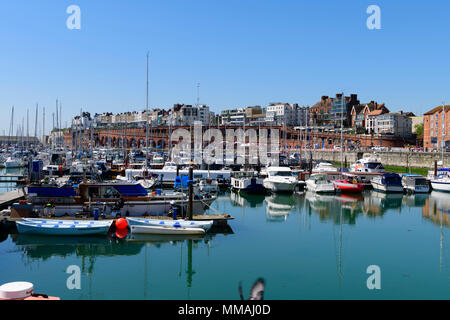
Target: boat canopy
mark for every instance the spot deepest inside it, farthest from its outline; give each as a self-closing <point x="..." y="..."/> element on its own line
<point x="132" y="190"/>
<point x="52" y="192"/>
<point x="392" y="179"/>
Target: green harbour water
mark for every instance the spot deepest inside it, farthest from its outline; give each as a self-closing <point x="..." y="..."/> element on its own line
<point x="305" y="246"/>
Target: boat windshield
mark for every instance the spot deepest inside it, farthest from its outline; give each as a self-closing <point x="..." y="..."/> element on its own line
<point x="421" y="182"/>
<point x="375" y="165"/>
<point x="393" y="180"/>
<point x="282" y="174"/>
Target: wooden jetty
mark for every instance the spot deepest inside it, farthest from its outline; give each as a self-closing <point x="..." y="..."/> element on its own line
<point x="8" y="198"/>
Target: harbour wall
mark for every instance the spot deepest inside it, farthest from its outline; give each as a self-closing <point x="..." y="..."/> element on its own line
<point x="390" y="158"/>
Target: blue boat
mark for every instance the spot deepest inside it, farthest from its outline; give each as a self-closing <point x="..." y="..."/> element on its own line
<point x="63" y="227"/>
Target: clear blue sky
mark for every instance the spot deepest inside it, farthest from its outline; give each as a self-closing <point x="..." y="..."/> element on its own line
<point x="243" y="52"/>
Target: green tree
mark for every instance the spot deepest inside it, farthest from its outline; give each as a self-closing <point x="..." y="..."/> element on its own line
<point x="419" y="129"/>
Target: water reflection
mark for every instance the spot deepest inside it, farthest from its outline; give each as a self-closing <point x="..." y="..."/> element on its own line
<point x="336" y="208"/>
<point x="43" y="248"/>
<point x="279" y="207"/>
<point x="437" y="208"/>
<point x="415" y="200"/>
<point x="378" y="203"/>
<point x="247" y="200"/>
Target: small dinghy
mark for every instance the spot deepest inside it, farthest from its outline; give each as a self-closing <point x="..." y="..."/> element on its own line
<point x="205" y="225"/>
<point x="150" y="229"/>
<point x="63" y="227"/>
<point x="77" y="222"/>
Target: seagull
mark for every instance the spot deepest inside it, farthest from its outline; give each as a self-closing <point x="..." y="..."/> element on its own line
<point x="257" y="292"/>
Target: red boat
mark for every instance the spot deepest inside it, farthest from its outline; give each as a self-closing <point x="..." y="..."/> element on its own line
<point x="349" y="185"/>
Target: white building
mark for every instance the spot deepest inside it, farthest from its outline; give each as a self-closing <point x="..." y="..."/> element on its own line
<point x="284" y="113"/>
<point x="186" y="115"/>
<point x="397" y="124"/>
<point x="233" y="117"/>
<point x="83" y="121"/>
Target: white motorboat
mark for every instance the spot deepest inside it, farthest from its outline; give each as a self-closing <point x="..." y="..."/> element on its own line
<point x="324" y="167"/>
<point x="442" y="181"/>
<point x="388" y="182"/>
<point x="368" y="164"/>
<point x="280" y="179"/>
<point x="12" y="162"/>
<point x="320" y="183"/>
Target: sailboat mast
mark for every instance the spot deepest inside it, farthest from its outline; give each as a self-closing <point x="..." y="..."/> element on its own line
<point x="60" y="124"/>
<point x="443" y="132"/>
<point x="146" y="122"/>
<point x="43" y="127"/>
<point x="28" y="126"/>
<point x="11" y="125"/>
<point x="342" y="126"/>
<point x="57" y="123"/>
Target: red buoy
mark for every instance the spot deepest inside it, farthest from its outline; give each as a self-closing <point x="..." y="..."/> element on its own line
<point x="121" y="224"/>
<point x="121" y="233"/>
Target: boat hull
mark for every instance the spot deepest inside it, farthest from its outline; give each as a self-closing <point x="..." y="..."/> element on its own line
<point x="282" y="187"/>
<point x="440" y="186"/>
<point x="385" y="188"/>
<point x="61" y="230"/>
<point x="166" y="230"/>
<point x="348" y="187"/>
<point x="418" y="189"/>
<point x="205" y="225"/>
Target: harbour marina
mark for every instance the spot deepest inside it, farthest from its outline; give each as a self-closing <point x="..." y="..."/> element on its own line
<point x="329" y="241"/>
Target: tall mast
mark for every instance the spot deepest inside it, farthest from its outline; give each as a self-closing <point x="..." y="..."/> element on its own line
<point x="28" y="126"/>
<point x="11" y="125"/>
<point x="36" y="122"/>
<point x="22" y="133"/>
<point x="53" y="130"/>
<point x="57" y="123"/>
<point x="146" y="122"/>
<point x="43" y="127"/>
<point x="60" y="124"/>
<point x="342" y="125"/>
<point x="443" y="132"/>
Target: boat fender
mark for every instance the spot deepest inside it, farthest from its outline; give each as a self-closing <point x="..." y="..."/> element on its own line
<point x="121" y="224"/>
<point x="16" y="290"/>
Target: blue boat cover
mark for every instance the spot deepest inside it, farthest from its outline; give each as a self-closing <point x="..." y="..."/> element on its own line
<point x="132" y="190"/>
<point x="52" y="192"/>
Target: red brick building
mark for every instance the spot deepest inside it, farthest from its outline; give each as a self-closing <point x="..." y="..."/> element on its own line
<point x="435" y="134"/>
